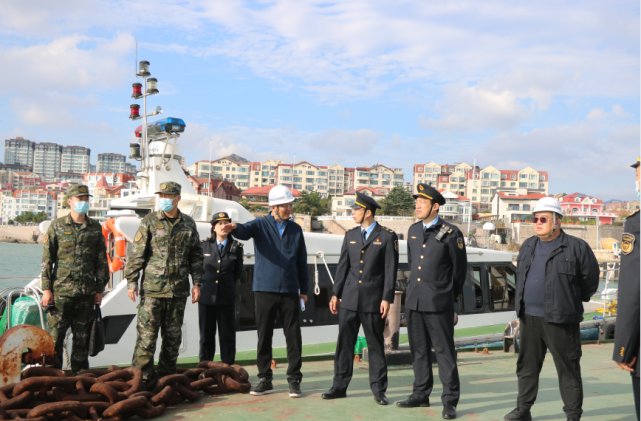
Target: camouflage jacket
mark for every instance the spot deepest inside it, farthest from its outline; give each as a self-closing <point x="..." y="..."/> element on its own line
<point x="167" y="254"/>
<point x="74" y="260"/>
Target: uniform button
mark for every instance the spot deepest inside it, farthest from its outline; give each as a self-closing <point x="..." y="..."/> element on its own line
<point x="419" y="268"/>
<point x="421" y="257"/>
<point x="418" y="280"/>
<point x="216" y="281"/>
<point x="219" y="271"/>
<point x="361" y="271"/>
<point x="423" y="245"/>
<point x="361" y="261"/>
<point x="360" y="282"/>
<point x="219" y="261"/>
<point x="362" y="251"/>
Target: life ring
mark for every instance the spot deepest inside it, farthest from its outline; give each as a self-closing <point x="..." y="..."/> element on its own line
<point x="120" y="246"/>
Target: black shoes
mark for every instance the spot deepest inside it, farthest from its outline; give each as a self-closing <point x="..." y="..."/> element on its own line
<point x="519" y="415"/>
<point x="380" y="398"/>
<point x="412" y="402"/>
<point x="334" y="394"/>
<point x="264" y="387"/>
<point x="449" y="411"/>
<point x="294" y="389"/>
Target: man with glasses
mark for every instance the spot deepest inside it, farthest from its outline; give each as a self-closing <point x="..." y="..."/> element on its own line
<point x="364" y="288"/>
<point x="555" y="273"/>
<point x="280" y="283"/>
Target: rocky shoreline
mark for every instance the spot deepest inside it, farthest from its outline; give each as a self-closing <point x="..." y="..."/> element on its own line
<point x="18" y="241"/>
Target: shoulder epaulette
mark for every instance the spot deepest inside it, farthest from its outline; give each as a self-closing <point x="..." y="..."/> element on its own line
<point x="633" y="213"/>
<point x="239" y="243"/>
<point x="353" y="228"/>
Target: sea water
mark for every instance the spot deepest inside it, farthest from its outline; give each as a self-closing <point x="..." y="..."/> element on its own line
<point x="19" y="263"/>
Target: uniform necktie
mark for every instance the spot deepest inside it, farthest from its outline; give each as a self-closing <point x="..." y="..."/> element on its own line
<point x="364" y="236"/>
<point x="220" y="249"/>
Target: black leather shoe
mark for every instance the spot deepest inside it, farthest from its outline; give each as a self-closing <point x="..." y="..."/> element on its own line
<point x="449" y="411"/>
<point x="380" y="398"/>
<point x="334" y="394"/>
<point x="518" y="414"/>
<point x="412" y="402"/>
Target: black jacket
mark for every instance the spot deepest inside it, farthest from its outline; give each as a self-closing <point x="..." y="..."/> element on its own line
<point x="366" y="273"/>
<point x="437" y="268"/>
<point x="221" y="273"/>
<point x="626" y="336"/>
<point x="571" y="276"/>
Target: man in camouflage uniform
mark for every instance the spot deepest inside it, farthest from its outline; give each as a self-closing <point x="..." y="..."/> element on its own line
<point x="74" y="274"/>
<point x="166" y="250"/>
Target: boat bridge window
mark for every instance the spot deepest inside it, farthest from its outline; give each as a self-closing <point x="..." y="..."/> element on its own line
<point x="502" y="280"/>
<point x="317" y="307"/>
<point x="472" y="294"/>
<point x="245" y="300"/>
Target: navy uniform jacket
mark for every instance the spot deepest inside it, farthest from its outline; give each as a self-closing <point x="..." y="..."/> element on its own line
<point x="366" y="273"/>
<point x="437" y="268"/>
<point x="221" y="273"/>
<point x="626" y="336"/>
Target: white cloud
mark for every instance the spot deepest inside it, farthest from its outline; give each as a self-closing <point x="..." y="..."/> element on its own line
<point x="598" y="114"/>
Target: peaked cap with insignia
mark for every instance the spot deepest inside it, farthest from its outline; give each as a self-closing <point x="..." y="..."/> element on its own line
<point x="366" y="202"/>
<point x="220" y="216"/>
<point x="636" y="164"/>
<point x="169" y="187"/>
<point x="78" y="190"/>
<point x="429" y="192"/>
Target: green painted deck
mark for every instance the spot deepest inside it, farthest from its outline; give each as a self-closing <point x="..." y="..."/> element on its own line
<point x="488" y="385"/>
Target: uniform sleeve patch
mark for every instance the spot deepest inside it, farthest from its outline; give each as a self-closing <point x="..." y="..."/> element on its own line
<point x="627" y="243"/>
<point x="46" y="238"/>
<point x="460" y="243"/>
<point x="138" y="237"/>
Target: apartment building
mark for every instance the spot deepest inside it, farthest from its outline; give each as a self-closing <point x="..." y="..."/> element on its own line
<point x="23" y="201"/>
<point x="111" y="163"/>
<point x="515" y="207"/>
<point x="69" y="177"/>
<point x="112" y="179"/>
<point x="215" y="188"/>
<point x="75" y="159"/>
<point x="304" y="176"/>
<point x="22" y="180"/>
<point x="19" y="151"/>
<point x="457" y="178"/>
<point x="377" y="176"/>
<point x="46" y="160"/>
<point x="232" y="168"/>
<point x="342" y="205"/>
<point x="456" y="207"/>
<point x="617" y="206"/>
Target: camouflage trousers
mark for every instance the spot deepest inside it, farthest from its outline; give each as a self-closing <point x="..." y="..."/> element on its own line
<point x="166" y="315"/>
<point x="77" y="313"/>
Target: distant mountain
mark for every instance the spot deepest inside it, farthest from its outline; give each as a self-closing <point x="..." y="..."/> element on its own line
<point x="237" y="158"/>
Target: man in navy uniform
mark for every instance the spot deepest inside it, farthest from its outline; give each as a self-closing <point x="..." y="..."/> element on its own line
<point x="363" y="288"/>
<point x="438" y="265"/>
<point x="626" y="337"/>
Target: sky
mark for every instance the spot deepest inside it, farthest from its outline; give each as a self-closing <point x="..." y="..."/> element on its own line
<point x="553" y="85"/>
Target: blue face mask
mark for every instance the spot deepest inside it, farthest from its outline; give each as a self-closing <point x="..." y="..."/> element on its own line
<point x="166" y="205"/>
<point x="81" y="207"/>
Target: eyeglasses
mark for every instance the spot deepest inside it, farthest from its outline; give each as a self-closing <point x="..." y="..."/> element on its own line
<point x="543" y="219"/>
<point x="288" y="206"/>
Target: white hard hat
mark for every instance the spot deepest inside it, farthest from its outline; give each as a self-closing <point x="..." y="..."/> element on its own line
<point x="548" y="204"/>
<point x="279" y="195"/>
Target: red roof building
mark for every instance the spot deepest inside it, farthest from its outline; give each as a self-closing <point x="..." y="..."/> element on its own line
<point x="218" y="189"/>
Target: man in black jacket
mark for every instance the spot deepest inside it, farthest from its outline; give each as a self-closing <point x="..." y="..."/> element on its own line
<point x="364" y="288"/>
<point x="626" y="337"/>
<point x="555" y="273"/>
<point x="438" y="266"/>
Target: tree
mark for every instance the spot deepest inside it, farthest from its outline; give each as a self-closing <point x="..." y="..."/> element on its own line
<point x="312" y="203"/>
<point x="31" y="217"/>
<point x="398" y="202"/>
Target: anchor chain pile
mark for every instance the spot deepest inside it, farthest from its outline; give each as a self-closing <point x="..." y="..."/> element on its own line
<point x="49" y="394"/>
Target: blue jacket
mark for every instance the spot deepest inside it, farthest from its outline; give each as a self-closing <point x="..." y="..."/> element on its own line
<point x="281" y="263"/>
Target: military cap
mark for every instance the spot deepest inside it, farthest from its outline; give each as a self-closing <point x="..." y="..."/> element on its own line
<point x="169" y="187"/>
<point x="78" y="190"/>
<point x="636" y="164"/>
<point x="366" y="202"/>
<point x="220" y="216"/>
<point x="431" y="193"/>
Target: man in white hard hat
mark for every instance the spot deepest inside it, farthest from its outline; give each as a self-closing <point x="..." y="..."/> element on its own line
<point x="280" y="282"/>
<point x="555" y="273"/>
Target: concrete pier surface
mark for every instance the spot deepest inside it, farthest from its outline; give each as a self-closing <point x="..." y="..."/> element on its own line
<point x="488" y="392"/>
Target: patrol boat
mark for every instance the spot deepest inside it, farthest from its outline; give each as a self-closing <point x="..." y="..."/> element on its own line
<point x="487" y="297"/>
